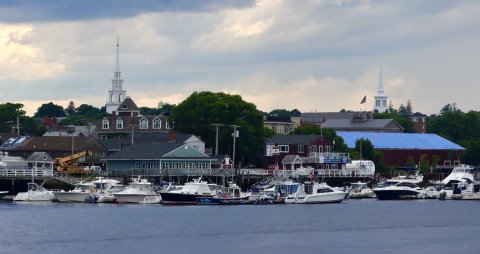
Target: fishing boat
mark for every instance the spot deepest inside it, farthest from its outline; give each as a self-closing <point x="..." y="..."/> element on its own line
<point x="315" y="193"/>
<point x="230" y="195"/>
<point x="138" y="191"/>
<point x="35" y="193"/>
<point x="188" y="193"/>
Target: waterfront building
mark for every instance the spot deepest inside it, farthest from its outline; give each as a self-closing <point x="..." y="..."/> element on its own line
<point x="419" y="122"/>
<point x="117" y="93"/>
<point x="294" y="151"/>
<point x="165" y="159"/>
<point x="397" y="147"/>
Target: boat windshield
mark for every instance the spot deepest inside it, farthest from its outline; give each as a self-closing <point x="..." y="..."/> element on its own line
<point x="388" y="183"/>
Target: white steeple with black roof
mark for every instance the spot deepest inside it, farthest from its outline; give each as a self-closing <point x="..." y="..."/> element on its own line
<point x="380" y="99"/>
<point x="117" y="93"/>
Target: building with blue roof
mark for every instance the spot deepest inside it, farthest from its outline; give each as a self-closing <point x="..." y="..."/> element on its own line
<point x="396" y="147"/>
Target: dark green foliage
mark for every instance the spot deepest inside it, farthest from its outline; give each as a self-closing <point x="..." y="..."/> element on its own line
<point x="282" y="114"/>
<point x="50" y="110"/>
<point x="366" y="151"/>
<point x="405" y="122"/>
<point x="83" y="115"/>
<point x="70" y="108"/>
<point x="8" y="120"/>
<point x="327" y="133"/>
<point x="200" y="110"/>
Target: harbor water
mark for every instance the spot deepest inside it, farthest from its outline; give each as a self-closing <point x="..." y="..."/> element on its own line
<point x="353" y="226"/>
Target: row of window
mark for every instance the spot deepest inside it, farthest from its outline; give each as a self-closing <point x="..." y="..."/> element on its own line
<point x="301" y="149"/>
<point x="173" y="165"/>
<point x="143" y="124"/>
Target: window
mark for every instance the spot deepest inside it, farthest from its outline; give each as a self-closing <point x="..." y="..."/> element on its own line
<point x="300" y="149"/>
<point x="313" y="149"/>
<point x="327" y="149"/>
<point x="105" y="124"/>
<point x="283" y="148"/>
<point x="119" y="124"/>
<point x="320" y="149"/>
<point x="143" y="123"/>
<point x="157" y="124"/>
<point x="167" y="125"/>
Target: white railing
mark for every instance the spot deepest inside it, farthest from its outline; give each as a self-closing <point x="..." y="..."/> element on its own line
<point x="26" y="172"/>
<point x="327" y="173"/>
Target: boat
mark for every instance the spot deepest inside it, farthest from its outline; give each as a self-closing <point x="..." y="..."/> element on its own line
<point x="78" y="194"/>
<point x="315" y="193"/>
<point x="188" y="193"/>
<point x="360" y="190"/>
<point x="35" y="193"/>
<point x="3" y="194"/>
<point x="397" y="189"/>
<point x="276" y="192"/>
<point x="230" y="195"/>
<point x="138" y="191"/>
<point x="104" y="191"/>
<point x="458" y="183"/>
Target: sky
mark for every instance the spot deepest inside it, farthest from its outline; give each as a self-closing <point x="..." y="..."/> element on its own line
<point x="310" y="55"/>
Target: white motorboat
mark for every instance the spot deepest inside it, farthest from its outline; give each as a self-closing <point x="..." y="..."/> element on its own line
<point x="360" y="190"/>
<point x="78" y="194"/>
<point x="397" y="189"/>
<point x="138" y="191"/>
<point x="188" y="193"/>
<point x="315" y="193"/>
<point x="35" y="193"/>
<point x="458" y="183"/>
<point x="3" y="194"/>
<point x="104" y="190"/>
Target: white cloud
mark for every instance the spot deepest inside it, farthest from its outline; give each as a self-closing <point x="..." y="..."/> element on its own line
<point x="20" y="59"/>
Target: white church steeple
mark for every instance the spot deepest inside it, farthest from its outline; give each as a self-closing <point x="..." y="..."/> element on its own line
<point x="116" y="94"/>
<point x="380" y="99"/>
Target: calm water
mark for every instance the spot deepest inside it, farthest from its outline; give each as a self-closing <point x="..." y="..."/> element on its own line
<point x="354" y="226"/>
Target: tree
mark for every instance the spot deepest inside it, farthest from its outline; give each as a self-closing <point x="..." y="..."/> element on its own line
<point x="367" y="151"/>
<point x="327" y="133"/>
<point x="409" y="108"/>
<point x="89" y="111"/>
<point x="70" y="108"/>
<point x="50" y="110"/>
<point x="200" y="110"/>
<point x="405" y="122"/>
<point x="8" y="115"/>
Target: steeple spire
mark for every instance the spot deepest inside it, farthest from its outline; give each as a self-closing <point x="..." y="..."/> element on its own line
<point x="380" y="79"/>
<point x="117" y="64"/>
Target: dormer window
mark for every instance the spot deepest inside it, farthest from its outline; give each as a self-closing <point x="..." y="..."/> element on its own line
<point x="105" y="124"/>
<point x="143" y="123"/>
<point x="119" y="124"/>
<point x="157" y="124"/>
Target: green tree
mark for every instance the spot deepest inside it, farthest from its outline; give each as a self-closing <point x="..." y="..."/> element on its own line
<point x="472" y="152"/>
<point x="8" y="115"/>
<point x="405" y="122"/>
<point x="327" y="133"/>
<point x="50" y="110"/>
<point x="410" y="162"/>
<point x="200" y="110"/>
<point x="70" y="108"/>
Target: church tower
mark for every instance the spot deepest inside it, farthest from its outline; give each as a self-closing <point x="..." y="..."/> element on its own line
<point x="116" y="94"/>
<point x="380" y="99"/>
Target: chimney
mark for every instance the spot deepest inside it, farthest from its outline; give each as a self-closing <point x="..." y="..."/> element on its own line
<point x="172" y="137"/>
<point x="114" y="113"/>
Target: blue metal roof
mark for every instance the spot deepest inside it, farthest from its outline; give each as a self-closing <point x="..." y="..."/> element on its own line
<point x="382" y="140"/>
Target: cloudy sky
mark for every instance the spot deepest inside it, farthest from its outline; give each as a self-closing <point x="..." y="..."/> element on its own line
<point x="313" y="55"/>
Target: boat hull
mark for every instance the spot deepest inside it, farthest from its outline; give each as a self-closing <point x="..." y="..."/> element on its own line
<point x="221" y="201"/>
<point x="71" y="196"/>
<point x="169" y="198"/>
<point x="33" y="196"/>
<point x="395" y="194"/>
<point x="138" y="198"/>
<point x="320" y="198"/>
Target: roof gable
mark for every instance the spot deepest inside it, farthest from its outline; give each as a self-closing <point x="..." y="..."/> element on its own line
<point x="128" y="104"/>
<point x="185" y="151"/>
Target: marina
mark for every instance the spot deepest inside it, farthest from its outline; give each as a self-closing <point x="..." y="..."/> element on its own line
<point x="373" y="226"/>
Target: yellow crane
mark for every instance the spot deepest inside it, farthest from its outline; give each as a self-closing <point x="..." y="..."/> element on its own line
<point x="67" y="165"/>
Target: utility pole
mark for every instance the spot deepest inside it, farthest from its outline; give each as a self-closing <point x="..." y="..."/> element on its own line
<point x="235" y="135"/>
<point x="216" y="136"/>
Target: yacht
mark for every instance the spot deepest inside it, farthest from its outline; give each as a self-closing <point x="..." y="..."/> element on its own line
<point x="315" y="193"/>
<point x="360" y="190"/>
<point x="397" y="189"/>
<point x="3" y="194"/>
<point x="188" y="193"/>
<point x="459" y="182"/>
<point x="35" y="193"/>
<point x="78" y="194"/>
<point x="138" y="191"/>
<point x="104" y="191"/>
